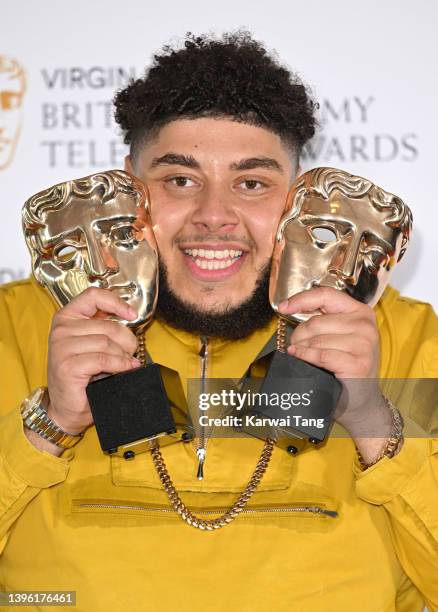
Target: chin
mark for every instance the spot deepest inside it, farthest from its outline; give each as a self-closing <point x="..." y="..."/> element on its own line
<point x="209" y="300"/>
<point x="212" y="314"/>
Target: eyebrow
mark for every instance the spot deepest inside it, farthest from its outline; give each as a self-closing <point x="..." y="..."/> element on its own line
<point x="189" y="161"/>
<point x="251" y="163"/>
<point x="172" y="159"/>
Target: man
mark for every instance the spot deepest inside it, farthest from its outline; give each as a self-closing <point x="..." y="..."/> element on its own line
<point x="215" y="131"/>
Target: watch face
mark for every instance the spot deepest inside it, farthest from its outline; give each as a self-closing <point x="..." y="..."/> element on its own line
<point x="31" y="402"/>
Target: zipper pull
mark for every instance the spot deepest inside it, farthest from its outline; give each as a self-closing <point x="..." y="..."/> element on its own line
<point x="320" y="510"/>
<point x="203" y="352"/>
<point x="201" y="452"/>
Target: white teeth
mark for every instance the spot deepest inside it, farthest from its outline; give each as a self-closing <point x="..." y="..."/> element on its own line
<point x="214" y="265"/>
<point x="210" y="254"/>
<point x="214" y="260"/>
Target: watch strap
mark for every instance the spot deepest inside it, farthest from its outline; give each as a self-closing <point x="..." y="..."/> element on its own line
<point x="35" y="418"/>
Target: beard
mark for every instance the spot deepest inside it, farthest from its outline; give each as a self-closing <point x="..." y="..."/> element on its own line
<point x="231" y="322"/>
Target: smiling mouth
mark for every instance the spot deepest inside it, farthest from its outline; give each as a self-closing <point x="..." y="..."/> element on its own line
<point x="209" y="259"/>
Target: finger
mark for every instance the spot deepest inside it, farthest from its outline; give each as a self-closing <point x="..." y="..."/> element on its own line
<point x="333" y="360"/>
<point x="118" y="332"/>
<point x="339" y="342"/>
<point x="92" y="300"/>
<point x="324" y="299"/>
<point x="335" y="324"/>
<point x="90" y="364"/>
<point x="92" y="343"/>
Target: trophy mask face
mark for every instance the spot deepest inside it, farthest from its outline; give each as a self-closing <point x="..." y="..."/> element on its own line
<point x="94" y="232"/>
<point x="12" y="88"/>
<point x="339" y="231"/>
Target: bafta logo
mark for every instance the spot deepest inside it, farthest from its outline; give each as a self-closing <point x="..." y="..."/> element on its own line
<point x="12" y="89"/>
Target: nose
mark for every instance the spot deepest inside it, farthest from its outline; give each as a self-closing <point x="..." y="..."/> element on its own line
<point x="346" y="262"/>
<point x="215" y="211"/>
<point x="99" y="262"/>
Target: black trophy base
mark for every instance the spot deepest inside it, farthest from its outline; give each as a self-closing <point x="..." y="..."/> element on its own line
<point x="130" y="406"/>
<point x="297" y="399"/>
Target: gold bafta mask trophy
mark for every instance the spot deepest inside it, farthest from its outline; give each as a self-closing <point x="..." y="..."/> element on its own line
<point x="12" y="91"/>
<point x="340" y="231"/>
<point x="96" y="232"/>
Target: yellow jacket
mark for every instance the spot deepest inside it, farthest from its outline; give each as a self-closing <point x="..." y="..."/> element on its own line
<point x="96" y="525"/>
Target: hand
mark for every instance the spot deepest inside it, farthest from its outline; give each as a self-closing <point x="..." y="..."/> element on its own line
<point x="344" y="340"/>
<point x="83" y="343"/>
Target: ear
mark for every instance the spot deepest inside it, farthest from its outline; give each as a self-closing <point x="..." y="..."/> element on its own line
<point x="128" y="165"/>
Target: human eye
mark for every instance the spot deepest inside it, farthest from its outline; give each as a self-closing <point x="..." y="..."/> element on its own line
<point x="123" y="236"/>
<point x="252" y="185"/>
<point x="180" y="181"/>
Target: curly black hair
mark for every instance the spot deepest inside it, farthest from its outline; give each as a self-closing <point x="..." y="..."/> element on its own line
<point x="231" y="76"/>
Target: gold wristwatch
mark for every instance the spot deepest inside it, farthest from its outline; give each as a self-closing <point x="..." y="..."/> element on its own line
<point x="35" y="418"/>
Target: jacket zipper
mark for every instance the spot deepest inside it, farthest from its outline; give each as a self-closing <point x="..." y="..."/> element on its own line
<point x="311" y="509"/>
<point x="201" y="448"/>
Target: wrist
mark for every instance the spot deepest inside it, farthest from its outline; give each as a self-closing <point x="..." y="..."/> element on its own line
<point x="42" y="444"/>
<point x="372" y="449"/>
<point x="36" y="419"/>
<point x="72" y="429"/>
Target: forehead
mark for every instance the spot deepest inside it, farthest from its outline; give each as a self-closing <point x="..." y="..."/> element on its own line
<point x="357" y="212"/>
<point x="208" y="136"/>
<point x="84" y="214"/>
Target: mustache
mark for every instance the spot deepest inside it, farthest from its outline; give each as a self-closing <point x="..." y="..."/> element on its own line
<point x="215" y="238"/>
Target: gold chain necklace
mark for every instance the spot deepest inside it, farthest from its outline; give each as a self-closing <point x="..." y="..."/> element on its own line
<point x="178" y="505"/>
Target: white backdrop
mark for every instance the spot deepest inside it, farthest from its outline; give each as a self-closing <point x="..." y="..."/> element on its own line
<point x="372" y="67"/>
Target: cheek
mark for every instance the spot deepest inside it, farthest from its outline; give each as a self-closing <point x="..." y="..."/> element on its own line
<point x="262" y="230"/>
<point x="167" y="223"/>
<point x="167" y="214"/>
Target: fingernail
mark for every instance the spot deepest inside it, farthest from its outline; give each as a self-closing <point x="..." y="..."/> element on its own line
<point x="292" y="349"/>
<point x="132" y="312"/>
<point x="283" y="304"/>
<point x="135" y="362"/>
